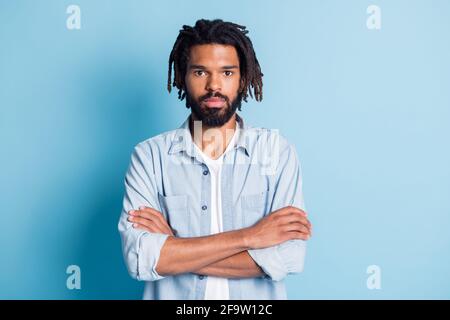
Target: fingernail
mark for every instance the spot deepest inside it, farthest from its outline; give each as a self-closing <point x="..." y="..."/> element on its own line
<point x="141" y="208"/>
<point x="130" y="218"/>
<point x="131" y="212"/>
<point x="135" y="225"/>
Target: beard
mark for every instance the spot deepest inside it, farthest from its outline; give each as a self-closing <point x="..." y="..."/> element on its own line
<point x="213" y="117"/>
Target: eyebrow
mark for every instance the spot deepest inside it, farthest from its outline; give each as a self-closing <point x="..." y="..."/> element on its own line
<point x="199" y="66"/>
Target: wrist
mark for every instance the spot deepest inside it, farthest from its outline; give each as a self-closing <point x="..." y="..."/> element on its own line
<point x="245" y="235"/>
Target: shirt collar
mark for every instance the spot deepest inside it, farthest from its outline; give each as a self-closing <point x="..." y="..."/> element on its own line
<point x="182" y="140"/>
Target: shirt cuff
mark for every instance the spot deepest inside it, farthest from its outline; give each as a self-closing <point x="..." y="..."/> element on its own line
<point x="149" y="250"/>
<point x="278" y="261"/>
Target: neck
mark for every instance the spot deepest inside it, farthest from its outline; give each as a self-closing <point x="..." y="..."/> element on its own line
<point x="213" y="141"/>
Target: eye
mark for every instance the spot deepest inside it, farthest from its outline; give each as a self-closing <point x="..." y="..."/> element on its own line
<point x="199" y="73"/>
<point x="228" y="73"/>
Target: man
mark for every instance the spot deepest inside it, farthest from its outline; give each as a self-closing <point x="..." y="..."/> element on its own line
<point x="214" y="209"/>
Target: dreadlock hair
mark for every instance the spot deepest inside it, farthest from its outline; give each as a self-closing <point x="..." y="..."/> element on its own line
<point x="216" y="32"/>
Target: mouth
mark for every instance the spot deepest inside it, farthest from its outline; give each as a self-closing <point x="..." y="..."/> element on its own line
<point x="214" y="102"/>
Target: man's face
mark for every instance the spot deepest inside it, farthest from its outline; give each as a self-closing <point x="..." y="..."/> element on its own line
<point x="212" y="83"/>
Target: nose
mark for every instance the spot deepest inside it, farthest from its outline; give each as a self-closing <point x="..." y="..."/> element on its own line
<point x="213" y="83"/>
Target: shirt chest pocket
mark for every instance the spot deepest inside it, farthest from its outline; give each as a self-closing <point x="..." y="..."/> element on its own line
<point x="253" y="208"/>
<point x="176" y="211"/>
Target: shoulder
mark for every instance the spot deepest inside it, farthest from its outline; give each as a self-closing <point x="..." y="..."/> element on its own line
<point x="266" y="138"/>
<point x="159" y="143"/>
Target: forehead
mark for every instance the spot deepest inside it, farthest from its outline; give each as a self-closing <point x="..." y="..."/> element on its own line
<point x="210" y="55"/>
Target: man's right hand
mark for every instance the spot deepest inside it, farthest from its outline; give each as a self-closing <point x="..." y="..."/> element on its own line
<point x="287" y="223"/>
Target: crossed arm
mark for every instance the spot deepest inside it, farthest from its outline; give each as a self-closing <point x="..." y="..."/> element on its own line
<point x="239" y="265"/>
<point x="224" y="254"/>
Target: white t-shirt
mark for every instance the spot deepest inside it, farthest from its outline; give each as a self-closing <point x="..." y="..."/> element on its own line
<point x="216" y="287"/>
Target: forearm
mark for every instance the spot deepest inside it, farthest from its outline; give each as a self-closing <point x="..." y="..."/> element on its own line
<point x="183" y="255"/>
<point x="240" y="265"/>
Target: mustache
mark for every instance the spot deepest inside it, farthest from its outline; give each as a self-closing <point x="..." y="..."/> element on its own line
<point x="214" y="95"/>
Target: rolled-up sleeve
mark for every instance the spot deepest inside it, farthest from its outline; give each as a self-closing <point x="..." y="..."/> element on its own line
<point x="288" y="257"/>
<point x="141" y="249"/>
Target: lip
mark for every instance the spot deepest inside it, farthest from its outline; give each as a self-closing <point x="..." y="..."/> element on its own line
<point x="214" y="102"/>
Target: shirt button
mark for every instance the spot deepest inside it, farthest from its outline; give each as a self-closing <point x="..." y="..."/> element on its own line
<point x="205" y="172"/>
<point x="201" y="277"/>
<point x="204" y="207"/>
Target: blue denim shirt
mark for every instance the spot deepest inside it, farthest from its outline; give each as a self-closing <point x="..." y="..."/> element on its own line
<point x="260" y="174"/>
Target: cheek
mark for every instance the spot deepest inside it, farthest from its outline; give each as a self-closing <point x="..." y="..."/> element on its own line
<point x="232" y="88"/>
<point x="194" y="85"/>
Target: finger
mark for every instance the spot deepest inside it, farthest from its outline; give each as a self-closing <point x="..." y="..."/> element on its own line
<point x="299" y="213"/>
<point x="141" y="227"/>
<point x="145" y="222"/>
<point x="156" y="216"/>
<point x="295" y="217"/>
<point x="153" y="211"/>
<point x="297" y="235"/>
<point x="148" y="210"/>
<point x="304" y="219"/>
<point x="161" y="223"/>
<point x="297" y="210"/>
<point x="299" y="225"/>
<point x="296" y="227"/>
<point x="152" y="216"/>
<point x="145" y="214"/>
<point x="292" y="210"/>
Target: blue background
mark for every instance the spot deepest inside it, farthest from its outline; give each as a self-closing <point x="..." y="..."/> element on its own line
<point x="368" y="110"/>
